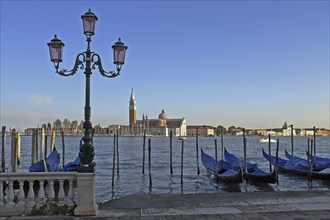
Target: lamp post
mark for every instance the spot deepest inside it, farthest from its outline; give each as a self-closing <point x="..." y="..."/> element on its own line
<point x="88" y="60"/>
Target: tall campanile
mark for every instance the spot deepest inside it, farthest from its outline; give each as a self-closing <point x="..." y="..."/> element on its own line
<point x="132" y="110"/>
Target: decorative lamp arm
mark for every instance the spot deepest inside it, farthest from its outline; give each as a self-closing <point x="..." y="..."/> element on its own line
<point x="98" y="63"/>
<point x="79" y="62"/>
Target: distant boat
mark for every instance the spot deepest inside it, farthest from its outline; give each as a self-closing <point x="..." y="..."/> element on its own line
<point x="266" y="140"/>
<point x="51" y="164"/>
<point x="225" y="172"/>
<point x="182" y="138"/>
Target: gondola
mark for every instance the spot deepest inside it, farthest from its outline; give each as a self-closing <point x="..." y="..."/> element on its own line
<point x="236" y="163"/>
<point x="294" y="166"/>
<point x="253" y="173"/>
<point x="225" y="172"/>
<point x="317" y="164"/>
<point x="320" y="159"/>
<point x="71" y="166"/>
<point x="51" y="164"/>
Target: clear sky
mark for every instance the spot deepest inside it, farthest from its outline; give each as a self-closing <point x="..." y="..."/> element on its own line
<point x="254" y="64"/>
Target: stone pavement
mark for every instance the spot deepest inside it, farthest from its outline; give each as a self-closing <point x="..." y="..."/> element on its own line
<point x="206" y="206"/>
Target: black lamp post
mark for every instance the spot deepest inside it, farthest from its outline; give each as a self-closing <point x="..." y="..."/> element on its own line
<point x="88" y="60"/>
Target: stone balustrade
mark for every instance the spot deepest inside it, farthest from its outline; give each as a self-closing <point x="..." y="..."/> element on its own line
<point x="37" y="193"/>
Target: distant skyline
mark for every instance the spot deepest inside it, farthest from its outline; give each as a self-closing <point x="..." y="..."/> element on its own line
<point x="253" y="64"/>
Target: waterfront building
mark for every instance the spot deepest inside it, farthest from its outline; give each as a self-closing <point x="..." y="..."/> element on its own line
<point x="161" y="126"/>
<point x="203" y="130"/>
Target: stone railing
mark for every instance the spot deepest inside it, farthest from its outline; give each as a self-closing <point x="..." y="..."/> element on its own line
<point x="37" y="193"/>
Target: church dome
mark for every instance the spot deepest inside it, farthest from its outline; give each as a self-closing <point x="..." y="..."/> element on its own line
<point x="285" y="126"/>
<point x="163" y="115"/>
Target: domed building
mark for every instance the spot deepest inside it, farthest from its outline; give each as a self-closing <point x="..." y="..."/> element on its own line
<point x="163" y="115"/>
<point x="161" y="126"/>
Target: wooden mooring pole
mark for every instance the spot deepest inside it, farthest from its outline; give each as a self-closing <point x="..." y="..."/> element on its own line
<point x="197" y="151"/>
<point x="291" y="140"/>
<point x="216" y="159"/>
<point x="42" y="143"/>
<point x="171" y="154"/>
<point x="3" y="149"/>
<point x="13" y="148"/>
<point x="144" y="150"/>
<point x="15" y="154"/>
<point x="63" y="149"/>
<point x="276" y="167"/>
<point x="46" y="144"/>
<point x="222" y="146"/>
<point x="182" y="151"/>
<point x="117" y="150"/>
<point x="52" y="141"/>
<point x="244" y="149"/>
<point x="312" y="160"/>
<point x="18" y="146"/>
<point x="149" y="161"/>
<point x="309" y="161"/>
<point x="314" y="140"/>
<point x="269" y="152"/>
<point x="33" y="146"/>
<point x="37" y="145"/>
<point x="114" y="160"/>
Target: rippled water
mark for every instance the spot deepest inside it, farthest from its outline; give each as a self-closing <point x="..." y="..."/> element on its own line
<point x="131" y="180"/>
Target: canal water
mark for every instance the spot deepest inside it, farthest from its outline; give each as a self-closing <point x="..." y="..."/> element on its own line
<point x="131" y="181"/>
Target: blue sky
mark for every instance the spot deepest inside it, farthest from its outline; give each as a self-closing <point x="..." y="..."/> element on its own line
<point x="254" y="64"/>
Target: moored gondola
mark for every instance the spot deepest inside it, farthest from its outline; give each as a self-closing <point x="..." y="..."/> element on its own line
<point x="296" y="167"/>
<point x="252" y="173"/>
<point x="225" y="172"/>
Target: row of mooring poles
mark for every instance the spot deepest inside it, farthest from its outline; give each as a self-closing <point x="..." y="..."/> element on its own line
<point x="39" y="154"/>
<point x="311" y="157"/>
<point x="15" y="154"/>
<point x="171" y="157"/>
<point x="15" y="158"/>
<point x="314" y="141"/>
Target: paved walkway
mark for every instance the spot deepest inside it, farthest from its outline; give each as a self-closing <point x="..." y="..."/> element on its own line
<point x="206" y="206"/>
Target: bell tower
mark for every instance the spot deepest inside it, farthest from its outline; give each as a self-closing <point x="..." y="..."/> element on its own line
<point x="132" y="110"/>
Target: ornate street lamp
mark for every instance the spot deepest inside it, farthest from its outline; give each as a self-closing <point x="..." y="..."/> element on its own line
<point x="88" y="60"/>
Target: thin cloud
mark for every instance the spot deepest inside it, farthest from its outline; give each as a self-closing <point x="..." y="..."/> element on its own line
<point x="40" y="100"/>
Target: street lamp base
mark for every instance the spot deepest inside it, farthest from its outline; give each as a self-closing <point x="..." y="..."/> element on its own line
<point x="86" y="168"/>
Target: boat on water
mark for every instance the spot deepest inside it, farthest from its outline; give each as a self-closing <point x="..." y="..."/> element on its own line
<point x="320" y="159"/>
<point x="182" y="138"/>
<point x="225" y="172"/>
<point x="266" y="140"/>
<point x="51" y="164"/>
<point x="237" y="164"/>
<point x="317" y="164"/>
<point x="71" y="166"/>
<point x="252" y="173"/>
<point x="295" y="166"/>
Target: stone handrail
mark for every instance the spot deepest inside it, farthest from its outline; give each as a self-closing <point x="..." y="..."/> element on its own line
<point x="37" y="193"/>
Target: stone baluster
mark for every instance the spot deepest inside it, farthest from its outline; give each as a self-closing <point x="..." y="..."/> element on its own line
<point x="51" y="192"/>
<point x="31" y="195"/>
<point x="2" y="204"/>
<point x="41" y="194"/>
<point x="10" y="195"/>
<point x="61" y="194"/>
<point x="21" y="196"/>
<point x="70" y="194"/>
